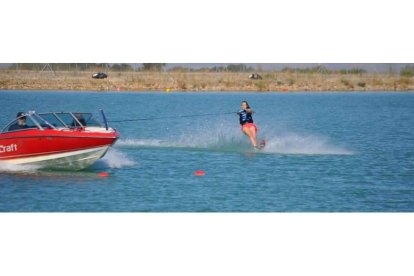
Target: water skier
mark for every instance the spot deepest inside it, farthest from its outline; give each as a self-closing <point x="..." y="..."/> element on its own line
<point x="247" y="125"/>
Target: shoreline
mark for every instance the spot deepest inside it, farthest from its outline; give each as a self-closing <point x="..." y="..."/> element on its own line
<point x="203" y="82"/>
<point x="206" y="91"/>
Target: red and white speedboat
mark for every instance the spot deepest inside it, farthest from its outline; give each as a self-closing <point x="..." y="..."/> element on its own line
<point x="62" y="140"/>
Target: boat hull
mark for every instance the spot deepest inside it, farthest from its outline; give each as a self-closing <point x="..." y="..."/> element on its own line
<point x="71" y="160"/>
<point x="57" y="149"/>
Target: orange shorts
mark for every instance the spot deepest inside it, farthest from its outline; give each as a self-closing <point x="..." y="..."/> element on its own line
<point x="249" y="125"/>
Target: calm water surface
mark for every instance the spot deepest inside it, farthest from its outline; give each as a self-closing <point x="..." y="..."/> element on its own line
<point x="325" y="152"/>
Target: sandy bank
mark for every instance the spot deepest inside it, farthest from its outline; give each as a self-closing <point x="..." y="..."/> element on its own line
<point x="198" y="81"/>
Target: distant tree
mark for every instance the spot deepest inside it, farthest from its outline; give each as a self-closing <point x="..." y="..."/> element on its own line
<point x="126" y="67"/>
<point x="288" y="70"/>
<point x="180" y="69"/>
<point x="353" y="71"/>
<point x="87" y="66"/>
<point x="30" y="66"/>
<point x="153" y="66"/>
<point x="203" y="69"/>
<point x="236" y="67"/>
<point x="103" y="66"/>
<point x="121" y="67"/>
<point x="407" y="71"/>
<point x="309" y="70"/>
<point x="218" y="69"/>
<point x="116" y="67"/>
<point x="239" y="68"/>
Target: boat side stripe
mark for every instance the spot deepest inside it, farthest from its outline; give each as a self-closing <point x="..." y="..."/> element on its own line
<point x="47" y="153"/>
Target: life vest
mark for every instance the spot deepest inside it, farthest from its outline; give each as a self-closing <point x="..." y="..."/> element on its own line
<point x="245" y="117"/>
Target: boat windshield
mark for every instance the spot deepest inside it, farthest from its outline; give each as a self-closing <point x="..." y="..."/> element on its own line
<point x="71" y="120"/>
<point x="49" y="120"/>
<point x="21" y="123"/>
<point x="32" y="120"/>
<point x="90" y="120"/>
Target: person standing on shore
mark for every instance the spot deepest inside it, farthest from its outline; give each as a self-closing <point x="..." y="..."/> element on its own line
<point x="247" y="125"/>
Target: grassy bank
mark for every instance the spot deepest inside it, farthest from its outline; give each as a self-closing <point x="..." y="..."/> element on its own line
<point x="202" y="81"/>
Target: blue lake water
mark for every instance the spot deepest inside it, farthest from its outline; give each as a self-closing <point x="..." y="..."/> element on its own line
<point x="325" y="152"/>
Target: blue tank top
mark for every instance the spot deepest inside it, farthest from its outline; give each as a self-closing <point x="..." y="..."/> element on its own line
<point x="245" y="117"/>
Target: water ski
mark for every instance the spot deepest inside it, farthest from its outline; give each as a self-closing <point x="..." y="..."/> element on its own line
<point x="261" y="145"/>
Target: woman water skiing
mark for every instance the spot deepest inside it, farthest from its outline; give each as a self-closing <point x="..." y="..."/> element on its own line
<point x="248" y="126"/>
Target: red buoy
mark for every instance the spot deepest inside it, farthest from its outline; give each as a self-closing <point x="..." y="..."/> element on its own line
<point x="199" y="173"/>
<point x="103" y="174"/>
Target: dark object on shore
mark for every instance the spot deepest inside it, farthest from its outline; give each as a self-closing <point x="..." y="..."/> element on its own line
<point x="255" y="76"/>
<point x="99" y="75"/>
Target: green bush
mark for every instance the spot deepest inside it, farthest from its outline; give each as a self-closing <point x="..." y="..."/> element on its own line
<point x="404" y="81"/>
<point x="260" y="85"/>
<point x="152" y="66"/>
<point x="238" y="68"/>
<point x="378" y="82"/>
<point x="353" y="71"/>
<point x="312" y="70"/>
<point x="181" y="85"/>
<point x="345" y="82"/>
<point x="407" y="71"/>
